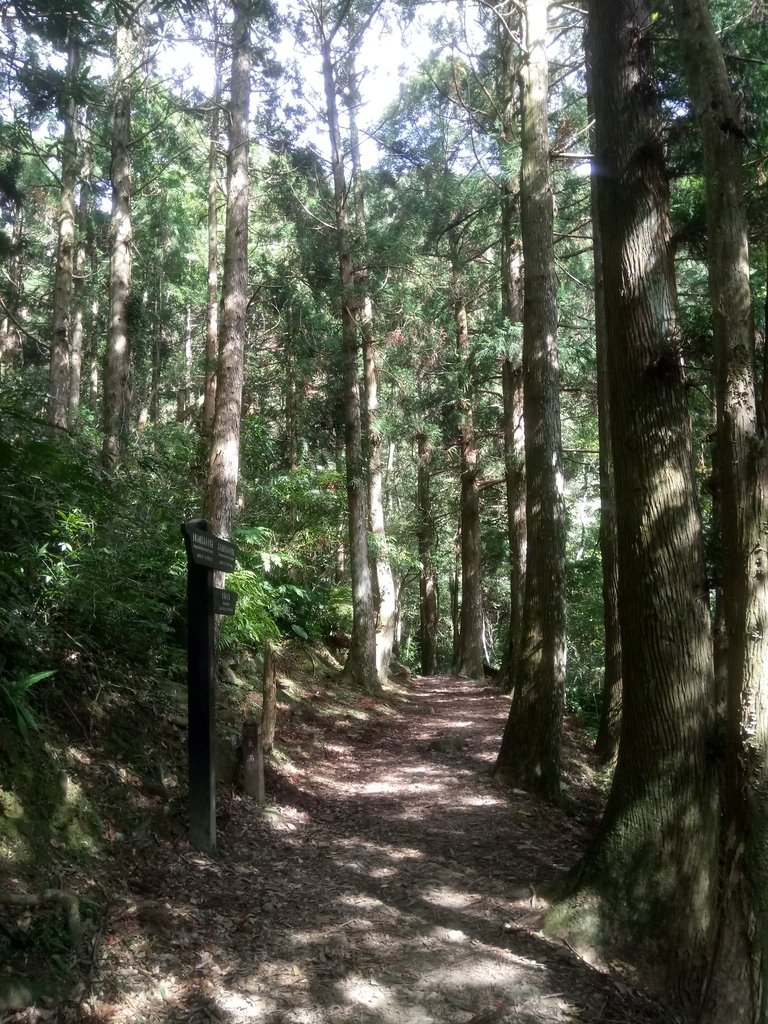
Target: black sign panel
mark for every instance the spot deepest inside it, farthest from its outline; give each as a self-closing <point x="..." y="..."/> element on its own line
<point x="224" y="601"/>
<point x="211" y="551"/>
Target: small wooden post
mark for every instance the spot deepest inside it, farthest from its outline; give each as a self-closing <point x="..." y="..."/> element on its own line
<point x="253" y="760"/>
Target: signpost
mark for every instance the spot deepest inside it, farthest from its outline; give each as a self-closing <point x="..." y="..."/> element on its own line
<point x="205" y="552"/>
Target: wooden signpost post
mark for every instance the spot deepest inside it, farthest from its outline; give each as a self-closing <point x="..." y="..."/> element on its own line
<point x="205" y="552"/>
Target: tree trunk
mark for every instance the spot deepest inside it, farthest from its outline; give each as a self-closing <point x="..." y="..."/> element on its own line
<point x="470" y="653"/>
<point x="514" y="444"/>
<point x="291" y="412"/>
<point x="117" y="402"/>
<point x="224" y="459"/>
<point x="385" y="603"/>
<point x="645" y="885"/>
<point x="212" y="318"/>
<point x="10" y="340"/>
<point x="360" y="668"/>
<point x="453" y="586"/>
<point x="740" y="988"/>
<point x="427" y="578"/>
<point x="184" y="391"/>
<point x="269" y="698"/>
<point x="78" y="289"/>
<point x="508" y="28"/>
<point x="530" y="748"/>
<point x="59" y="370"/>
<point x="607" y="741"/>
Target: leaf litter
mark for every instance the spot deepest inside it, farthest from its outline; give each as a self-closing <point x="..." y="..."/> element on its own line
<point x="386" y="882"/>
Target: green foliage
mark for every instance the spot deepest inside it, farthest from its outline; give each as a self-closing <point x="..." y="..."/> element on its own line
<point x="584" y="675"/>
<point x="90" y="563"/>
<point x="14" y="704"/>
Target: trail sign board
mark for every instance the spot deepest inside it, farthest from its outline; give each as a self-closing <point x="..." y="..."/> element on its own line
<point x="224" y="601"/>
<point x="205" y="552"/>
<point x="210" y="551"/>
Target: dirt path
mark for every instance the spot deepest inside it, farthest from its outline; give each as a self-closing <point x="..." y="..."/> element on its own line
<point x="377" y="889"/>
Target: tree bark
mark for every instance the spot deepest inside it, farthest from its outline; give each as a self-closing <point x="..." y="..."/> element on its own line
<point x="360" y="668"/>
<point x="224" y="459"/>
<point x="530" y="748"/>
<point x="117" y="399"/>
<point x="470" y="652"/>
<point x="508" y="28"/>
<point x="78" y="288"/>
<point x="427" y="577"/>
<point x="607" y="741"/>
<point x="10" y="340"/>
<point x="662" y="808"/>
<point x="739" y="991"/>
<point x="381" y="569"/>
<point x="269" y="698"/>
<point x="514" y="444"/>
<point x="59" y="368"/>
<point x="212" y="317"/>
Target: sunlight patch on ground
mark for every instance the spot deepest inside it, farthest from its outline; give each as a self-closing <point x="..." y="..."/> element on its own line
<point x="355" y="990"/>
<point x="449" y="934"/>
<point x="481" y="801"/>
<point x="386" y="851"/>
<point x="449" y="898"/>
<point x="402" y="787"/>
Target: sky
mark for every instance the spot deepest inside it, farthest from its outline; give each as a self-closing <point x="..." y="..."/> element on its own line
<point x="388" y="56"/>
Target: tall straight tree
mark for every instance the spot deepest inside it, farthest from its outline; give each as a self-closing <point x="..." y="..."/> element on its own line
<point x="646" y="883"/>
<point x="212" y="318"/>
<point x="428" y="617"/>
<point x="507" y="28"/>
<point x="740" y="991"/>
<point x="607" y="741"/>
<point x="385" y="596"/>
<point x="224" y="459"/>
<point x="360" y="668"/>
<point x="117" y="401"/>
<point x="530" y="748"/>
<point x="59" y="369"/>
<point x="471" y="623"/>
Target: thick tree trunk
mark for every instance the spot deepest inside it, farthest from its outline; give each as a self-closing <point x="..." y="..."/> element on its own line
<point x="607" y="742"/>
<point x="530" y="748"/>
<point x="117" y="400"/>
<point x="646" y="884"/>
<point x="59" y="370"/>
<point x="427" y="577"/>
<point x="224" y="460"/>
<point x="212" y="317"/>
<point x="360" y="668"/>
<point x="740" y="987"/>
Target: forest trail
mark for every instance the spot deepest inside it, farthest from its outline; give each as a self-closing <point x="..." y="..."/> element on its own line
<point x="376" y="889"/>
